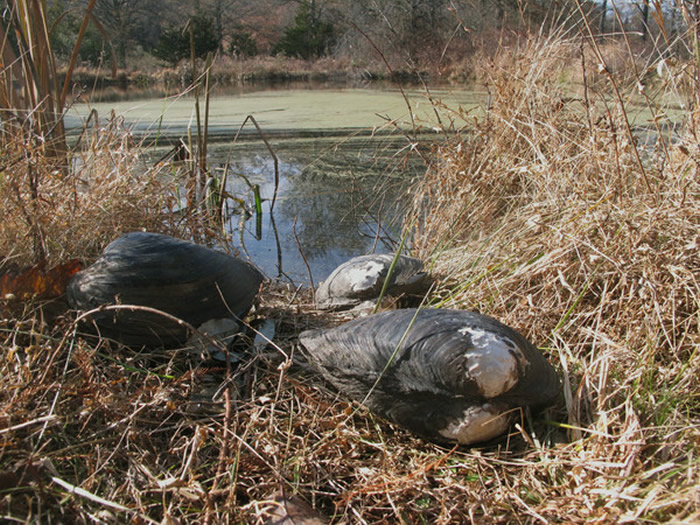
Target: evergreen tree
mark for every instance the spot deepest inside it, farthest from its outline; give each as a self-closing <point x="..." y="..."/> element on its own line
<point x="174" y="43"/>
<point x="309" y="37"/>
<point x="242" y="45"/>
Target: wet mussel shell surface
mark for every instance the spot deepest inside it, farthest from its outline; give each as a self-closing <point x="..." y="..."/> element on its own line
<point x="362" y="278"/>
<point x="188" y="281"/>
<point x="447" y="375"/>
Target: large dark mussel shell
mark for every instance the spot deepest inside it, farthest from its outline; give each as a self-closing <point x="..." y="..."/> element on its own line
<point x="447" y="375"/>
<point x="188" y="281"/>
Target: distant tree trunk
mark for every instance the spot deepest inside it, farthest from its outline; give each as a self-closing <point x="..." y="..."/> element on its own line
<point x="604" y="8"/>
<point x="313" y="16"/>
<point x="645" y="19"/>
<point x="501" y="13"/>
<point x="218" y="22"/>
<point x="122" y="35"/>
<point x="120" y="18"/>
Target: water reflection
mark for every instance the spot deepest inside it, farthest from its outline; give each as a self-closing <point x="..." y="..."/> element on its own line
<point x="341" y="198"/>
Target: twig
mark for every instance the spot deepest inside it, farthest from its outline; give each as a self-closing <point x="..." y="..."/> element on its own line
<point x="251" y="118"/>
<point x="72" y="489"/>
<point x="44" y="419"/>
<point x="303" y="258"/>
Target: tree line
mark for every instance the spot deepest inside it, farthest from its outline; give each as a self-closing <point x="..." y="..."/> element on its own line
<point x="418" y="31"/>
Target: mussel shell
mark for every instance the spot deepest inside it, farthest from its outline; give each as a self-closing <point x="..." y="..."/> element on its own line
<point x="362" y="278"/>
<point x="191" y="282"/>
<point x="435" y="371"/>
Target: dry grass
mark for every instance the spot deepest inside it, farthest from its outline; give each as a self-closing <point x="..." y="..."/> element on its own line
<point x="163" y="438"/>
<point x="543" y="218"/>
<point x="51" y="216"/>
<point x="540" y="216"/>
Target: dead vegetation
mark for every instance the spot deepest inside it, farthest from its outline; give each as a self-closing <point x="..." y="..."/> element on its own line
<point x="46" y="213"/>
<point x="554" y="216"/>
<point x="550" y="214"/>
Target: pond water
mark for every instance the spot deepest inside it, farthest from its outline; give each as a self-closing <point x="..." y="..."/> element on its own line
<point x="335" y="200"/>
<point x="346" y="159"/>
